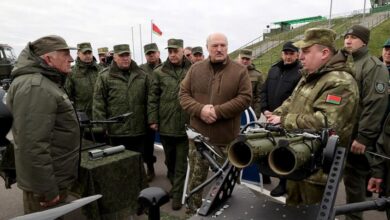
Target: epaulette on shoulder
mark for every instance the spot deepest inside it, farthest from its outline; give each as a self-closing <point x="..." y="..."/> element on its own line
<point x="376" y="61"/>
<point x="36" y="79"/>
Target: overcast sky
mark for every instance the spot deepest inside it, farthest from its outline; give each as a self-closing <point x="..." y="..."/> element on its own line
<point x="109" y="22"/>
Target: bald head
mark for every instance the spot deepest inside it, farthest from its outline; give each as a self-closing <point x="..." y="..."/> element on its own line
<point x="216" y="35"/>
<point x="217" y="46"/>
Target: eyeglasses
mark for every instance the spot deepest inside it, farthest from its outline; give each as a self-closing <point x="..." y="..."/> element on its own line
<point x="188" y="55"/>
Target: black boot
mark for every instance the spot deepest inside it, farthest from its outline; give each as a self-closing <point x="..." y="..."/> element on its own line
<point x="280" y="189"/>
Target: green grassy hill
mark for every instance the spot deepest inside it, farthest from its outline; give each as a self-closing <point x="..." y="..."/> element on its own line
<point x="379" y="34"/>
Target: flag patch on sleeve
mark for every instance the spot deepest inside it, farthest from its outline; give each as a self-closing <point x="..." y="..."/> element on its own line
<point x="333" y="99"/>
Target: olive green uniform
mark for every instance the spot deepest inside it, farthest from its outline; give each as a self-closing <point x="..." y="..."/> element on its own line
<point x="311" y="107"/>
<point x="80" y="83"/>
<point x="164" y="109"/>
<point x="148" y="68"/>
<point x="372" y="78"/>
<point x="45" y="129"/>
<point x="149" y="158"/>
<point x="118" y="92"/>
<point x="380" y="167"/>
<point x="257" y="82"/>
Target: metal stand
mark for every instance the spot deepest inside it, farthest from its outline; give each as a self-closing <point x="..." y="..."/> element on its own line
<point x="332" y="185"/>
<point x="221" y="191"/>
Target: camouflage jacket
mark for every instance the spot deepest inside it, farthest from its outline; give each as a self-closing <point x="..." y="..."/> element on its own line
<point x="326" y="98"/>
<point x="257" y="82"/>
<point x="148" y="68"/>
<point x="372" y="78"/>
<point x="80" y="83"/>
<point x="163" y="105"/>
<point x="380" y="167"/>
<point x="45" y="128"/>
<point x="118" y="92"/>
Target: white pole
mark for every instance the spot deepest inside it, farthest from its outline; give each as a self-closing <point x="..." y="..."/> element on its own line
<point x="330" y="14"/>
<point x="132" y="40"/>
<point x="364" y="10"/>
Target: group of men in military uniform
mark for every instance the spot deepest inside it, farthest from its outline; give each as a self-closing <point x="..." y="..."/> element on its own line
<point x="346" y="90"/>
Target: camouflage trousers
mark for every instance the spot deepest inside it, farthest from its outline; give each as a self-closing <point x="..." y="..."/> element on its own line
<point x="199" y="169"/>
<point x="31" y="202"/>
<point x="176" y="152"/>
<point x="303" y="193"/>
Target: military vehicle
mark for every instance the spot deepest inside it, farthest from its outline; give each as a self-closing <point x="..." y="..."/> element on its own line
<point x="7" y="60"/>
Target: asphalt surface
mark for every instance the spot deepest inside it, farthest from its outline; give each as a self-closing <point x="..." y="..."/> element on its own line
<point x="11" y="200"/>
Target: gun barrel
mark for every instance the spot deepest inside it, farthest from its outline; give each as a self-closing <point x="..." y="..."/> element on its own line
<point x="291" y="154"/>
<point x="250" y="148"/>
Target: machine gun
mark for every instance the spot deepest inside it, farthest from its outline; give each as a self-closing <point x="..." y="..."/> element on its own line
<point x="86" y="123"/>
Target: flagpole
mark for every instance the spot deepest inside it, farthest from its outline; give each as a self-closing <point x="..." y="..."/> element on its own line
<point x="140" y="40"/>
<point x="132" y="40"/>
<point x="151" y="31"/>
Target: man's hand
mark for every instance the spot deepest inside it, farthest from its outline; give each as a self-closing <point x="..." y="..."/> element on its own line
<point x="50" y="203"/>
<point x="273" y="119"/>
<point x="374" y="185"/>
<point x="154" y="127"/>
<point x="208" y="114"/>
<point x="357" y="148"/>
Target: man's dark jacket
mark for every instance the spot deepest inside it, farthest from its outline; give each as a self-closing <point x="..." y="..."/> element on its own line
<point x="279" y="85"/>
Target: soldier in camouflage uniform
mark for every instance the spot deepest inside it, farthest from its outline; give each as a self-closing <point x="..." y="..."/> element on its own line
<point x="215" y="92"/>
<point x="79" y="85"/>
<point x="327" y="95"/>
<point x="102" y="52"/>
<point x="152" y="55"/>
<point x="166" y="115"/>
<point x="245" y="58"/>
<point x="197" y="54"/>
<point x="122" y="88"/>
<point x="372" y="78"/>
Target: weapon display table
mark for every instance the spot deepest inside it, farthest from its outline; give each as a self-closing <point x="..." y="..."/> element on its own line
<point x="244" y="204"/>
<point x="119" y="178"/>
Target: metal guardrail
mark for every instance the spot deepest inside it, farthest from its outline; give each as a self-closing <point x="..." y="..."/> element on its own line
<point x="341" y="22"/>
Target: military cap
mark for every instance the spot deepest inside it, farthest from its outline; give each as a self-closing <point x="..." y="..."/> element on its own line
<point x="246" y="53"/>
<point x="321" y="36"/>
<point x="175" y="43"/>
<point x="84" y="47"/>
<point x="150" y="47"/>
<point x="49" y="44"/>
<point x="290" y="46"/>
<point x="359" y="31"/>
<point x="102" y="50"/>
<point x="196" y="50"/>
<point x="121" y="48"/>
<point x="387" y="43"/>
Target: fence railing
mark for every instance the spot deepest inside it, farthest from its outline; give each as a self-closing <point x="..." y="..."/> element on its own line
<point x="266" y="48"/>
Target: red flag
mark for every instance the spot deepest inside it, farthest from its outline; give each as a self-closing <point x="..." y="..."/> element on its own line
<point x="334" y="99"/>
<point x="156" y="30"/>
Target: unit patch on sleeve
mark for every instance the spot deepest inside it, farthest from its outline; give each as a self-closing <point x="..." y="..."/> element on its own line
<point x="380" y="87"/>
